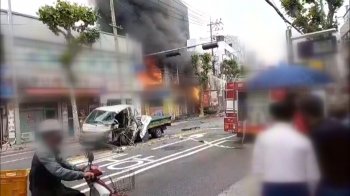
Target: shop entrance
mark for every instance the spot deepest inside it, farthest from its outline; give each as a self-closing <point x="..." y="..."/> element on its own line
<point x="32" y="114"/>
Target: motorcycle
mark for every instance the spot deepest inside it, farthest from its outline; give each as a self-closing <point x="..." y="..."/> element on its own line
<point x="99" y="188"/>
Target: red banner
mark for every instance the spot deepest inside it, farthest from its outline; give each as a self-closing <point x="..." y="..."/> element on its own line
<point x="206" y="99"/>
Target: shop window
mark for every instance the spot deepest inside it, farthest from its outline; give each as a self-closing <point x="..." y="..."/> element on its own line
<point x="114" y="102"/>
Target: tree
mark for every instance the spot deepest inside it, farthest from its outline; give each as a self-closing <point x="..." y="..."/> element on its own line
<point x="73" y="22"/>
<point x="202" y="66"/>
<point x="230" y="69"/>
<point x="309" y="16"/>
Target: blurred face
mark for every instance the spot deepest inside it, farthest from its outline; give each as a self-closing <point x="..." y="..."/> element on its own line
<point x="53" y="140"/>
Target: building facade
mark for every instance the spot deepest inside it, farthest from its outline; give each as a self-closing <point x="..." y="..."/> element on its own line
<point x="345" y="28"/>
<point x="103" y="77"/>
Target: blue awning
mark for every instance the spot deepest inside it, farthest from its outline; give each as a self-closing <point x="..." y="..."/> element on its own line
<point x="6" y="90"/>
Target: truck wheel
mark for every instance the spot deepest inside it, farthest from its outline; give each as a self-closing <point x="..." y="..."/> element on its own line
<point x="157" y="133"/>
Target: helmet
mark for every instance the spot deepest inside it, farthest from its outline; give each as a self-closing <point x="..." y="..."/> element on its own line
<point x="50" y="126"/>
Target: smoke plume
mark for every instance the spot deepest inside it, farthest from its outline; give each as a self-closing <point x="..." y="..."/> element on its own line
<point x="158" y="25"/>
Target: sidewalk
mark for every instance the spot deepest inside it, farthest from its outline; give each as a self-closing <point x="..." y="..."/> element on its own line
<point x="31" y="146"/>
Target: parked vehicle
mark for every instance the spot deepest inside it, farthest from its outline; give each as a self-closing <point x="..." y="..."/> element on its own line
<point x="241" y="116"/>
<point x="120" y="124"/>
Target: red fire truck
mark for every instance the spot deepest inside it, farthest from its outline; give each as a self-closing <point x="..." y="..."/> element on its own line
<point x="247" y="110"/>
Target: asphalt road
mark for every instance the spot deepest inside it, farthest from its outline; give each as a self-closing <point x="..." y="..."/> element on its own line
<point x="203" y="163"/>
<point x="21" y="160"/>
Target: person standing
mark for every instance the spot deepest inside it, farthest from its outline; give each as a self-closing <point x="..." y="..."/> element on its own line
<point x="331" y="140"/>
<point x="283" y="158"/>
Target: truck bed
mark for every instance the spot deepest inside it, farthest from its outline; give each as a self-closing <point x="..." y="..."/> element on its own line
<point x="159" y="121"/>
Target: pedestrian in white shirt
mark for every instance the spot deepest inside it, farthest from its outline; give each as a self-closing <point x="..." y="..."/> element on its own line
<point x="283" y="158"/>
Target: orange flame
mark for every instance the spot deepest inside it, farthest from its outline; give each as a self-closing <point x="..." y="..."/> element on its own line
<point x="152" y="75"/>
<point x="196" y="93"/>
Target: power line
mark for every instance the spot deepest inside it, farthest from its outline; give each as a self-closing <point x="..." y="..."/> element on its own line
<point x="191" y="6"/>
<point x="181" y="3"/>
<point x="143" y="6"/>
<point x="199" y="20"/>
<point x="186" y="14"/>
<point x="281" y="15"/>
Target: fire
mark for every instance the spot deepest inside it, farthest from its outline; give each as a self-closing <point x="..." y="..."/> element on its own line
<point x="152" y="75"/>
<point x="196" y="93"/>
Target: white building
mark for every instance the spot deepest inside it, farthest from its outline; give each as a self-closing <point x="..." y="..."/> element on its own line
<point x="103" y="76"/>
<point x="226" y="49"/>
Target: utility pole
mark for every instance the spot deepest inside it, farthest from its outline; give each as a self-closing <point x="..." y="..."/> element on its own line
<point x="17" y="133"/>
<point x="116" y="44"/>
<point x="289" y="45"/>
<point x="216" y="24"/>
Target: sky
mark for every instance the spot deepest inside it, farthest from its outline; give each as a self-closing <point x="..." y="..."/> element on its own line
<point x="253" y="21"/>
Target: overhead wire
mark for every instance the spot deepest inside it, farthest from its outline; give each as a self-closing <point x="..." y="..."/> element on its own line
<point x="193" y="22"/>
<point x="189" y="6"/>
<point x="185" y="14"/>
<point x="189" y="9"/>
<point x="180" y="11"/>
<point x="282" y="16"/>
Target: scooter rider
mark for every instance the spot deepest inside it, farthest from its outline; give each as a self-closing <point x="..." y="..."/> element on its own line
<point x="48" y="168"/>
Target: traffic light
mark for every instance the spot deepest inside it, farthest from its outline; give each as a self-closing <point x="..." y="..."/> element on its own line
<point x="172" y="54"/>
<point x="210" y="46"/>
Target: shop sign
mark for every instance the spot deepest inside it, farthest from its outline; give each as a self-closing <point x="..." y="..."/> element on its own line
<point x="206" y="99"/>
<point x="11" y="121"/>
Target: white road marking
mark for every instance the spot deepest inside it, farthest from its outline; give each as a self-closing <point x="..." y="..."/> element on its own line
<point x="191" y="137"/>
<point x="160" y="162"/>
<point x="159" y="147"/>
<point x="26" y="152"/>
<point x="11" y="161"/>
<point x="11" y="155"/>
<point x="103" y="159"/>
<point x="116" y="161"/>
<point x="152" y="162"/>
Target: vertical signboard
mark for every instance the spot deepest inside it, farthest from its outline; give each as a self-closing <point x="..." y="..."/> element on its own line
<point x="65" y="117"/>
<point x="11" y="121"/>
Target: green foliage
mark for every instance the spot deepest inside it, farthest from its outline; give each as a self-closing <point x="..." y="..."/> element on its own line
<point x="309" y="15"/>
<point x="62" y="19"/>
<point x="202" y="64"/>
<point x="230" y="69"/>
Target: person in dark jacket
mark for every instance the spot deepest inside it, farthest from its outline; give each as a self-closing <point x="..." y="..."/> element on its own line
<point x="48" y="168"/>
<point x="331" y="140"/>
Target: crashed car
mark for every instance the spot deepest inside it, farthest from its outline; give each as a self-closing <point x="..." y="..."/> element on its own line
<point x="114" y="124"/>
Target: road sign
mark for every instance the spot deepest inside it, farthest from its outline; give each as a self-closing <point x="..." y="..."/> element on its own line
<point x="317" y="47"/>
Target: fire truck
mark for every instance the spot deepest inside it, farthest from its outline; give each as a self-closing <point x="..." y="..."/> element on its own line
<point x="247" y="112"/>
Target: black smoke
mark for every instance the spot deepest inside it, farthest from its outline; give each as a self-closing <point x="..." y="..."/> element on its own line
<point x="157" y="25"/>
